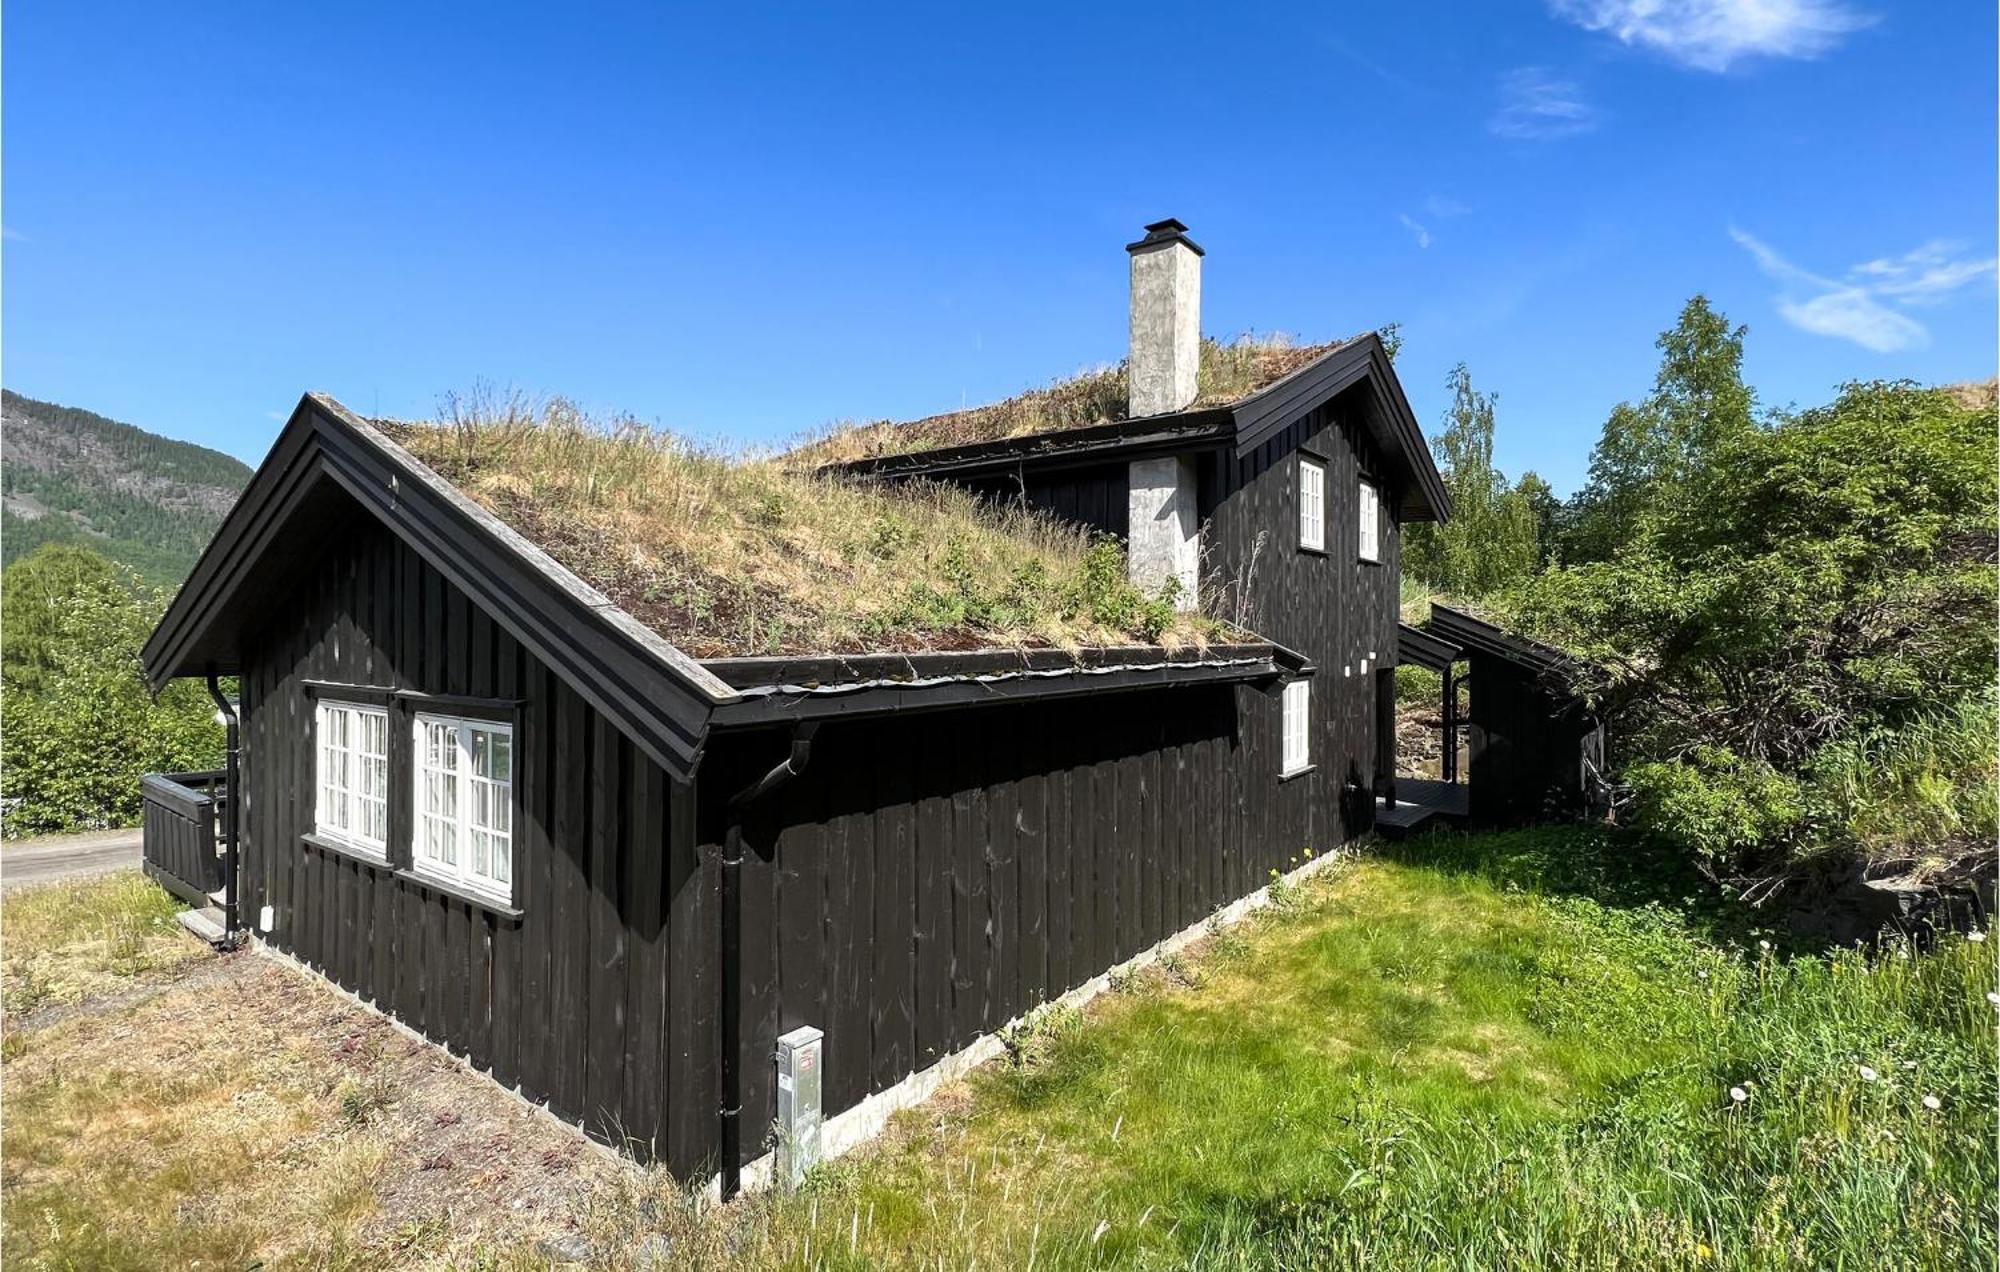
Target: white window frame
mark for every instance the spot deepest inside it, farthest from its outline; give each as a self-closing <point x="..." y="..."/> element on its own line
<point x="350" y="781"/>
<point x="1369" y="498"/>
<point x="448" y="841"/>
<point x="1312" y="505"/>
<point x="1296" y="720"/>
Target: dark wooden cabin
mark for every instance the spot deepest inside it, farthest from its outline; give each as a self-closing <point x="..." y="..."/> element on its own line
<point x="663" y="864"/>
<point x="1535" y="750"/>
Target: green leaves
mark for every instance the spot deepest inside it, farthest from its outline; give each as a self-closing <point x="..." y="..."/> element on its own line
<point x="1825" y="580"/>
<point x="77" y="727"/>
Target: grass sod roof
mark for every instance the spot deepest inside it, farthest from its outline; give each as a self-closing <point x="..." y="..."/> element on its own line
<point x="1230" y="371"/>
<point x="742" y="555"/>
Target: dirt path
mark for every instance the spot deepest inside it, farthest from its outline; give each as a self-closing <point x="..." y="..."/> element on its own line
<point x="51" y="857"/>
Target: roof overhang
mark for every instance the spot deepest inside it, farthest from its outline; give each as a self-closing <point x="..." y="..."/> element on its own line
<point x="329" y="465"/>
<point x="1418" y="648"/>
<point x="1476" y="635"/>
<point x="1360" y="365"/>
<point x="787" y="689"/>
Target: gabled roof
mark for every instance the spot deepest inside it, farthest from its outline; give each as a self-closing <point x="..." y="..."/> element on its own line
<point x="327" y="462"/>
<point x="1360" y="365"/>
<point x="327" y="459"/>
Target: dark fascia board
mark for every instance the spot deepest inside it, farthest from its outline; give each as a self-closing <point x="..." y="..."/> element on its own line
<point x="1420" y="648"/>
<point x="850" y="700"/>
<point x="1469" y="633"/>
<point x="816" y="670"/>
<point x="1270" y="410"/>
<point x="657" y="695"/>
<point x="1124" y="440"/>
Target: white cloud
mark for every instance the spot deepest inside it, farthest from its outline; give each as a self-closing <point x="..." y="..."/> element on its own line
<point x="1863" y="306"/>
<point x="1422" y="235"/>
<point x="1444" y="208"/>
<point x="1536" y="106"/>
<point x="1712" y="35"/>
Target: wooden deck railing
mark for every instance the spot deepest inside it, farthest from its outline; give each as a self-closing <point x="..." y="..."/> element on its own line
<point x="182" y="814"/>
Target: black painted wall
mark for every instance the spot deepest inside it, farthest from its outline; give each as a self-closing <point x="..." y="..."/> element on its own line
<point x="928" y="878"/>
<point x="598" y="998"/>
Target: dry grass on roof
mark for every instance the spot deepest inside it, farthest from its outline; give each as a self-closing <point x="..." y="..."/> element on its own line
<point x="1230" y="371"/>
<point x="726" y="554"/>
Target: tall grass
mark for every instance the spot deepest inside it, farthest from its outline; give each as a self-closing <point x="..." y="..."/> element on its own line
<point x="1532" y="1050"/>
<point x="739" y="554"/>
<point x="1921" y="794"/>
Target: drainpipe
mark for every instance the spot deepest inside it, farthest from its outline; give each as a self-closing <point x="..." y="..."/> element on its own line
<point x="730" y="1114"/>
<point x="227" y="710"/>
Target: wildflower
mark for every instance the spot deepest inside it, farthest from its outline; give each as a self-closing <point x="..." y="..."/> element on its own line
<point x="1764" y="945"/>
<point x="1932" y="1103"/>
<point x="1738" y="1094"/>
<point x="1868" y="1074"/>
<point x="1993" y="998"/>
<point x="1975" y="937"/>
<point x="1702" y="1250"/>
<point x="1909" y="1064"/>
<point x="1703" y="974"/>
<point x="1309" y="854"/>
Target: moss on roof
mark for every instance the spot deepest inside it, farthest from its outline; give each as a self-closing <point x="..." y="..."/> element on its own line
<point x="1230" y="371"/>
<point x="726" y="554"/>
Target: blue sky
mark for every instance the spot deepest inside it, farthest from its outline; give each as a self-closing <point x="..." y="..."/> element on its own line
<point x="745" y="225"/>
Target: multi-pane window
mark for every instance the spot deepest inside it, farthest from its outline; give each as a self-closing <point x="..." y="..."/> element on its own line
<point x="1312" y="505"/>
<point x="353" y="804"/>
<point x="1371" y="522"/>
<point x="464" y="824"/>
<point x="1298" y="728"/>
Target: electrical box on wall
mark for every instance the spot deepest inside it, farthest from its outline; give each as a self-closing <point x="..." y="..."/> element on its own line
<point x="798" y="1105"/>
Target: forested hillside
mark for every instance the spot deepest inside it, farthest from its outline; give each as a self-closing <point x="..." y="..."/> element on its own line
<point x="145" y="501"/>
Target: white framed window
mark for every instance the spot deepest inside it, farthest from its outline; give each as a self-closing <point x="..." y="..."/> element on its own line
<point x="464" y="794"/>
<point x="1312" y="505"/>
<point x="353" y="775"/>
<point x="1298" y="726"/>
<point x="1370" y="502"/>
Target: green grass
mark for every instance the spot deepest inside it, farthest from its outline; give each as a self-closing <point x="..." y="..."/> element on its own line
<point x="1510" y="1050"/>
<point x="71" y="940"/>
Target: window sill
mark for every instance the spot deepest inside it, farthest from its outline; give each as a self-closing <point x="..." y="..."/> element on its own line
<point x="458" y="892"/>
<point x="1312" y="551"/>
<point x="1289" y="774"/>
<point x="1374" y="561"/>
<point x="341" y="848"/>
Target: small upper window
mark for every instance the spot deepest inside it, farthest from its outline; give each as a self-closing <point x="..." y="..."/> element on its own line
<point x="1298" y="728"/>
<point x="1312" y="505"/>
<point x="1371" y="522"/>
<point x="353" y="775"/>
<point x="464" y="804"/>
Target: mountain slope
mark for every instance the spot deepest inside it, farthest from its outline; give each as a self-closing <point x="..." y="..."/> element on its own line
<point x="147" y="501"/>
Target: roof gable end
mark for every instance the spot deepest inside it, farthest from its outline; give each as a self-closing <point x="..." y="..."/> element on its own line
<point x="655" y="694"/>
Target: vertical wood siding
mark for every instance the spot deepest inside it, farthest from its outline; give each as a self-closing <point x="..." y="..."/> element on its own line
<point x="930" y="877"/>
<point x="597" y="998"/>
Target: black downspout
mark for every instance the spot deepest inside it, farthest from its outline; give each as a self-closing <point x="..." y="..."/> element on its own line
<point x="730" y="1115"/>
<point x="229" y="808"/>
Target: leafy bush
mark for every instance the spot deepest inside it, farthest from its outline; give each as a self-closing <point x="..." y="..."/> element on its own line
<point x="1716" y="803"/>
<point x="1799" y="635"/>
<point x="77" y="726"/>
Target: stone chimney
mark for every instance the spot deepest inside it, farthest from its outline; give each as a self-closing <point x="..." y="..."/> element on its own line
<point x="1166" y="321"/>
<point x="1162" y="539"/>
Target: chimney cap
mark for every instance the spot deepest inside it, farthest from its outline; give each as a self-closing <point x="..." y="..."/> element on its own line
<point x="1161" y="233"/>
